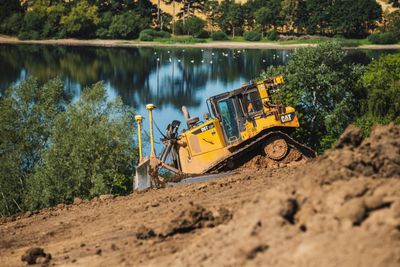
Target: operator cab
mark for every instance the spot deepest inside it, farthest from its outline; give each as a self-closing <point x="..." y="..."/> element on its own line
<point x="234" y="108"/>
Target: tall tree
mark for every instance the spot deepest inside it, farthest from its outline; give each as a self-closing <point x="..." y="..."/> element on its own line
<point x="27" y="113"/>
<point x="81" y="20"/>
<point x="230" y="18"/>
<point x="290" y="10"/>
<point x="91" y="152"/>
<point x="264" y="17"/>
<point x="8" y="7"/>
<point x="324" y="88"/>
<point x="355" y="18"/>
<point x="211" y="11"/>
<point x="319" y="16"/>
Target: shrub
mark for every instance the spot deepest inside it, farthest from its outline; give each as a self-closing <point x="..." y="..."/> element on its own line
<point x="150" y="35"/>
<point x="383" y="38"/>
<point x="12" y="24"/>
<point x="29" y="35"/>
<point x="219" y="36"/>
<point x="184" y="40"/>
<point x="179" y="28"/>
<point x="273" y="36"/>
<point x="145" y="37"/>
<point x="194" y="26"/>
<point x="348" y="43"/>
<point x="102" y="33"/>
<point x="203" y="34"/>
<point x="252" y="36"/>
<point x="82" y="20"/>
<point x="126" y="25"/>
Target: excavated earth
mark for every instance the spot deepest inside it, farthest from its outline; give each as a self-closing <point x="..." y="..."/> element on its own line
<point x="341" y="209"/>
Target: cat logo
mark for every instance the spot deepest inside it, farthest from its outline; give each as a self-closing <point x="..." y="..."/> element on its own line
<point x="287" y="117"/>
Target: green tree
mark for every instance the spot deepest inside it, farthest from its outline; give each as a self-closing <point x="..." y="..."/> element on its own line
<point x="324" y="89"/>
<point x="318" y="16"/>
<point x="189" y="8"/>
<point x="355" y="18"/>
<point x="211" y="11"/>
<point x="263" y="12"/>
<point x="12" y="24"/>
<point x="290" y="12"/>
<point x="9" y="7"/>
<point x="230" y="18"/>
<point x="127" y="25"/>
<point x="52" y="27"/>
<point x="264" y="17"/>
<point x="393" y="22"/>
<point x="27" y="113"/>
<point x="91" y="152"/>
<point x="81" y="20"/>
<point x="382" y="80"/>
<point x="33" y="23"/>
<point x="194" y="26"/>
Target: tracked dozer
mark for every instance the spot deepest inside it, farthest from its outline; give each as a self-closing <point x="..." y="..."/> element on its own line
<point x="239" y="125"/>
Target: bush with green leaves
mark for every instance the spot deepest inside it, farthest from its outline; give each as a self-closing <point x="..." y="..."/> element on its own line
<point x="194" y="26"/>
<point x="32" y="35"/>
<point x="126" y="25"/>
<point x="383" y="38"/>
<point x="27" y="114"/>
<point x="324" y="89"/>
<point x="82" y="20"/>
<point x="203" y="34"/>
<point x="347" y="43"/>
<point x="252" y="36"/>
<point x="273" y="36"/>
<point x="150" y="35"/>
<point x="91" y="152"/>
<point x="12" y="24"/>
<point x="33" y="24"/>
<point x="52" y="27"/>
<point x="219" y="36"/>
<point x="52" y="151"/>
<point x="382" y="81"/>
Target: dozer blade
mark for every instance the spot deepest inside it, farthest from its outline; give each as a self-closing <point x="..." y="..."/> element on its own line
<point x="143" y="178"/>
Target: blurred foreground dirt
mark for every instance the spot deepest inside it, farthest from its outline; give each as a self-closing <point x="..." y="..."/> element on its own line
<point x="342" y="209"/>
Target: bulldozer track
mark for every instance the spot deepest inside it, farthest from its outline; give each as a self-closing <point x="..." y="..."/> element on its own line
<point x="221" y="164"/>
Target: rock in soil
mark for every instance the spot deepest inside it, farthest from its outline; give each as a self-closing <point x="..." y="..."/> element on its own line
<point x="196" y="216"/>
<point x="35" y="255"/>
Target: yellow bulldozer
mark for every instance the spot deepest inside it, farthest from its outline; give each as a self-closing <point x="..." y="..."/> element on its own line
<point x="239" y="124"/>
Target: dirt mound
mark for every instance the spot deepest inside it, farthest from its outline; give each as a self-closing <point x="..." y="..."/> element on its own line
<point x="342" y="209"/>
<point x="375" y="156"/>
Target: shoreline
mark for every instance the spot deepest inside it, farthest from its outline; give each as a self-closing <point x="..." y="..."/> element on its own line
<point x="214" y="44"/>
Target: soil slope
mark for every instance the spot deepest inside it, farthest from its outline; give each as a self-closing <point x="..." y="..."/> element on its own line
<point x="342" y="209"/>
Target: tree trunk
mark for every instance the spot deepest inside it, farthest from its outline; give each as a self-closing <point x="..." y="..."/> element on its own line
<point x="173" y="17"/>
<point x="158" y="11"/>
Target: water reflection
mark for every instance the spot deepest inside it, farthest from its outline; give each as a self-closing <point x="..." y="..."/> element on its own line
<point x="167" y="77"/>
<point x="138" y="74"/>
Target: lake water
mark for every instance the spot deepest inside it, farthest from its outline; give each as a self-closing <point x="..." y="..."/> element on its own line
<point x="166" y="77"/>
